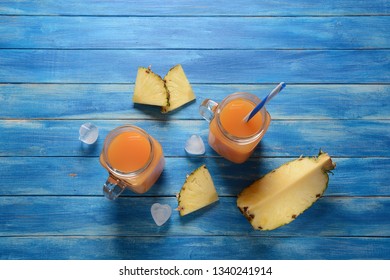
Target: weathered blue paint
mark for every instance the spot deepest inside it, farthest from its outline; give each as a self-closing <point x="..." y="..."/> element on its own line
<point x="83" y="176"/>
<point x="114" y="101"/>
<point x="196" y="8"/>
<point x="195" y="33"/>
<point x="130" y="216"/>
<point x="194" y="247"/>
<point x="63" y="63"/>
<point x="368" y="138"/>
<point x="225" y="66"/>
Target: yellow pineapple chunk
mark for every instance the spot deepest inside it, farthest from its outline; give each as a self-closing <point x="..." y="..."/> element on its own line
<point x="149" y="88"/>
<point x="281" y="195"/>
<point x="197" y="192"/>
<point x="179" y="89"/>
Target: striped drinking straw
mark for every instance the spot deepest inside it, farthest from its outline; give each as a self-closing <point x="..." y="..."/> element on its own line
<point x="271" y="95"/>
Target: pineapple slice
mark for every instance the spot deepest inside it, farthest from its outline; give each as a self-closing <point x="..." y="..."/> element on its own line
<point x="197" y="192"/>
<point x="281" y="195"/>
<point x="179" y="89"/>
<point x="149" y="88"/>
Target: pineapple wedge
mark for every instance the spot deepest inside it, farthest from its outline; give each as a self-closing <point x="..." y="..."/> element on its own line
<point x="197" y="192"/>
<point x="149" y="88"/>
<point x="179" y="89"/>
<point x="281" y="195"/>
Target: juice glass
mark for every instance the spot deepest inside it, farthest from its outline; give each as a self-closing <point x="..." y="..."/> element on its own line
<point x="229" y="135"/>
<point x="133" y="159"/>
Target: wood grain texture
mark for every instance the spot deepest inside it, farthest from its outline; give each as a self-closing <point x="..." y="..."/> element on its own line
<point x="226" y="66"/>
<point x="63" y="63"/>
<point x="194" y="247"/>
<point x="83" y="176"/>
<point x="114" y="101"/>
<point x="195" y="8"/>
<point x="195" y="33"/>
<point x="284" y="138"/>
<point x="130" y="216"/>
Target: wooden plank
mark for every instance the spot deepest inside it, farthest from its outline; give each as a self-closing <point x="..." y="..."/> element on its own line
<point x="226" y="66"/>
<point x="194" y="248"/>
<point x="339" y="138"/>
<point x="130" y="216"/>
<point x="195" y="8"/>
<point x="114" y="101"/>
<point x="195" y="33"/>
<point x="83" y="176"/>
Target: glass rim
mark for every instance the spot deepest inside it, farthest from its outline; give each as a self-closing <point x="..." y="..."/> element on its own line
<point x="111" y="136"/>
<point x="247" y="96"/>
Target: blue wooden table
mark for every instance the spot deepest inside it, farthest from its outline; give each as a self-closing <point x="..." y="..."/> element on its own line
<point x="64" y="63"/>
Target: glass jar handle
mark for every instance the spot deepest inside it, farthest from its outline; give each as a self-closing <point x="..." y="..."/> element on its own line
<point x="207" y="109"/>
<point x="113" y="188"/>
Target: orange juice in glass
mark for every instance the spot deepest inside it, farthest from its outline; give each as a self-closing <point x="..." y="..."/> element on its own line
<point x="133" y="159"/>
<point x="229" y="135"/>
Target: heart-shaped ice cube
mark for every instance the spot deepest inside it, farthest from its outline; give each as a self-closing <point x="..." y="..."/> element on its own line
<point x="88" y="133"/>
<point x="160" y="213"/>
<point x="195" y="145"/>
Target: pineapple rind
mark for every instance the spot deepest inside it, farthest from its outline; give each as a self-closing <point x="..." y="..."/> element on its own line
<point x="178" y="87"/>
<point x="197" y="192"/>
<point x="267" y="203"/>
<point x="149" y="88"/>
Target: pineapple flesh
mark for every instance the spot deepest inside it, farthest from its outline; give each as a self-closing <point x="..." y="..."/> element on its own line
<point x="179" y="89"/>
<point x="281" y="195"/>
<point x="197" y="192"/>
<point x="149" y="88"/>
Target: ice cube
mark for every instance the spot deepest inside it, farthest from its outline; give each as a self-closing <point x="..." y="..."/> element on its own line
<point x="88" y="133"/>
<point x="195" y="145"/>
<point x="160" y="213"/>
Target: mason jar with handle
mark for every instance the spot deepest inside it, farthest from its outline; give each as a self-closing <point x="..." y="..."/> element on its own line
<point x="133" y="159"/>
<point x="229" y="134"/>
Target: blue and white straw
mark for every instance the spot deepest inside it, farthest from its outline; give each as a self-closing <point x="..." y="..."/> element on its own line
<point x="271" y="95"/>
